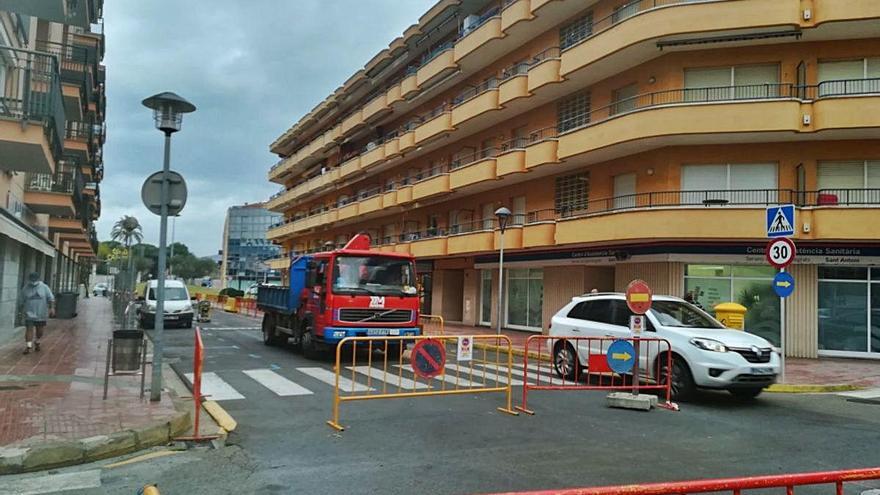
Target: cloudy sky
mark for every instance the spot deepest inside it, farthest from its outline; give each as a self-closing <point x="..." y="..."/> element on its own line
<point x="252" y="68"/>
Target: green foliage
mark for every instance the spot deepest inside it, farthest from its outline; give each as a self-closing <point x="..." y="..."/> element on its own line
<point x="231" y="292"/>
<point x="127" y="230"/>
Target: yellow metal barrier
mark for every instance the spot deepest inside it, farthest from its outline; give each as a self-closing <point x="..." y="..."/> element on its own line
<point x="363" y="376"/>
<point x="432" y="324"/>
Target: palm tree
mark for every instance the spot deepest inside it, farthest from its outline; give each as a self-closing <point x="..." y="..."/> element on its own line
<point x="127" y="229"/>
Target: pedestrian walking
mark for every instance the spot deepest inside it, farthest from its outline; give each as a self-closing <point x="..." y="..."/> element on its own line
<point x="36" y="304"/>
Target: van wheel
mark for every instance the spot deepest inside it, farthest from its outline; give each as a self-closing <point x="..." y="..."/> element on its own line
<point x="683" y="387"/>
<point x="565" y="361"/>
<point x="307" y="341"/>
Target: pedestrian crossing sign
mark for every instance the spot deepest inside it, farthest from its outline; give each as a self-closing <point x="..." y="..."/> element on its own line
<point x="780" y="221"/>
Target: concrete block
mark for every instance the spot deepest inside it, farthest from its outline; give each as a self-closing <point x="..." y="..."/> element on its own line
<point x="104" y="446"/>
<point x="625" y="400"/>
<point x="52" y="455"/>
<point x="151" y="436"/>
<point x="11" y="459"/>
<point x="180" y="424"/>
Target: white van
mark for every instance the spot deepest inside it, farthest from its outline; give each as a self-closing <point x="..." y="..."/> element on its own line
<point x="178" y="307"/>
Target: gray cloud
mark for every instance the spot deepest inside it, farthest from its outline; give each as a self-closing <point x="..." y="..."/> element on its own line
<point x="251" y="67"/>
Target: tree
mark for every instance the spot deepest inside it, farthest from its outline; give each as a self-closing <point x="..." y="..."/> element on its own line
<point x="127" y="229"/>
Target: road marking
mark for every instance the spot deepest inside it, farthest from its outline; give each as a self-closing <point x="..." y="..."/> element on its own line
<point x="276" y="383"/>
<point x="449" y="378"/>
<point x="389" y="378"/>
<point x="52" y="483"/>
<point x="329" y="377"/>
<point x="214" y="388"/>
<point x="518" y="373"/>
<point x="490" y="377"/>
<point x="232" y="328"/>
<point x="871" y="393"/>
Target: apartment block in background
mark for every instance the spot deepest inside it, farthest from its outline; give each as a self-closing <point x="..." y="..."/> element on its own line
<point x="248" y="256"/>
<point x="52" y="111"/>
<point x="630" y="139"/>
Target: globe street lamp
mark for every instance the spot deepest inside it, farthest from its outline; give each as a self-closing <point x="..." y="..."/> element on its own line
<point x="503" y="216"/>
<point x="168" y="109"/>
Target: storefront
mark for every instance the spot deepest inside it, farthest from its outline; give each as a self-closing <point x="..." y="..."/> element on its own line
<point x="849" y="311"/>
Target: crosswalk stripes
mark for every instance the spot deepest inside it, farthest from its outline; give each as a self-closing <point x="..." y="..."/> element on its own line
<point x="214" y="388"/>
<point x="482" y="373"/>
<point x="871" y="393"/>
<point x="461" y="380"/>
<point x="277" y="383"/>
<point x="329" y="377"/>
<point x="390" y="378"/>
<point x="534" y="375"/>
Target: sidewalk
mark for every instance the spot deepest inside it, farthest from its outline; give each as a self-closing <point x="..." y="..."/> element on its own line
<point x="801" y="375"/>
<point x="51" y="407"/>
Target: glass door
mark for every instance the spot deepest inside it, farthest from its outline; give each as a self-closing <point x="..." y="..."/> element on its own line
<point x="525" y="293"/>
<point x="486" y="297"/>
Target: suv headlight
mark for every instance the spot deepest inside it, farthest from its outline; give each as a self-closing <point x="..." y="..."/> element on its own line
<point x="708" y="344"/>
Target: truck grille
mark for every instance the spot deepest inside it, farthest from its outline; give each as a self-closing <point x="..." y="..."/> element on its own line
<point x="751" y="356"/>
<point x="360" y="315"/>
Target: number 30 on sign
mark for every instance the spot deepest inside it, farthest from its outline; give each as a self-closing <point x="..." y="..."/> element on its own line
<point x="780" y="252"/>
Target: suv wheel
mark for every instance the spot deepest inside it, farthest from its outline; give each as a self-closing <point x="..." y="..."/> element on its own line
<point x="683" y="386"/>
<point x="565" y="361"/>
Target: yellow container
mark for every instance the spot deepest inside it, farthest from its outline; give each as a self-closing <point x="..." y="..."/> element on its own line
<point x="231" y="305"/>
<point x="731" y="315"/>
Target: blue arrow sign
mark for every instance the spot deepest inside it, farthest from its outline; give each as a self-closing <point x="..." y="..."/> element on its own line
<point x="780" y="221"/>
<point x="621" y="356"/>
<point x="783" y="284"/>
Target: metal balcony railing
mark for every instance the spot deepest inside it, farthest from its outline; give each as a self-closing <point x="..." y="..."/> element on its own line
<point x="33" y="92"/>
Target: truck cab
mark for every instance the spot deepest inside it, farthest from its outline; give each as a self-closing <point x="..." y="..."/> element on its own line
<point x="348" y="292"/>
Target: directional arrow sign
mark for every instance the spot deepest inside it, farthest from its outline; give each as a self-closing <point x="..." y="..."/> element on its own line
<point x="783" y="284"/>
<point x="620" y="356"/>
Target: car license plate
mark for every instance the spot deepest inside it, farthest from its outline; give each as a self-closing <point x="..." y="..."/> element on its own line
<point x="377" y="332"/>
<point x="170" y="317"/>
<point x="763" y="371"/>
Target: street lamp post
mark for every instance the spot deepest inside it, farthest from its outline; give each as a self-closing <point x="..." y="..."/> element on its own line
<point x="503" y="216"/>
<point x="168" y="109"/>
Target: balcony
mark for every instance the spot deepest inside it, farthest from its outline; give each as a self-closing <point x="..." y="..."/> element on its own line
<point x="436" y="64"/>
<point x="347" y="211"/>
<point x="512" y="158"/>
<point x="32" y="118"/>
<point x="541" y="148"/>
<point x="353" y="122"/>
<point x="389" y="199"/>
<point x="409" y="85"/>
<point x="279" y="231"/>
<point x="392" y="146"/>
<point x="371" y="203"/>
<point x="428" y="247"/>
<point x="349" y="167"/>
<point x="372" y="156"/>
<point x="407" y="138"/>
<point x="434" y="123"/>
<point x="78" y="140"/>
<point x="544" y="70"/>
<point x="475" y="101"/>
<point x="513" y="236"/>
<point x="514" y="85"/>
<point x="376" y="108"/>
<point x="280" y="263"/>
<point x="82" y="13"/>
<point x="432" y="186"/>
<point x="404" y="194"/>
<point x="394" y="95"/>
<point x="515" y="11"/>
<point x="470" y="238"/>
<point x="485" y="29"/>
<point x="56" y="194"/>
<point x="473" y="168"/>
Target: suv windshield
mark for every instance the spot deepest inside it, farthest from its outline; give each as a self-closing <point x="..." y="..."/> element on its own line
<point x="682" y="315"/>
<point x="374" y="275"/>
<point x="171" y="294"/>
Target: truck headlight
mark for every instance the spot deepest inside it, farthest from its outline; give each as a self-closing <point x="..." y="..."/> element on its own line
<point x="708" y="344"/>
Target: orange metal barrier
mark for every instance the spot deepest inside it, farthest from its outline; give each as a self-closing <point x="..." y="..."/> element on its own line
<point x="432" y="324"/>
<point x="652" y="356"/>
<point x="735" y="485"/>
<point x="432" y="367"/>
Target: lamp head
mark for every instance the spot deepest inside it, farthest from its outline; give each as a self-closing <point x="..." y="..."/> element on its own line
<point x="168" y="109"/>
<point x="503" y="214"/>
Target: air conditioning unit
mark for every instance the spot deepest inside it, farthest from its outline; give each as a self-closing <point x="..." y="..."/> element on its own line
<point x="469" y="22"/>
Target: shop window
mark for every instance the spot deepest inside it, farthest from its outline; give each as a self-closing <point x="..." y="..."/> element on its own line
<point x="572" y="192"/>
<point x="574" y="32"/>
<point x="573" y="112"/>
<point x="709" y="285"/>
<point x="847" y="303"/>
<point x="524" y="301"/>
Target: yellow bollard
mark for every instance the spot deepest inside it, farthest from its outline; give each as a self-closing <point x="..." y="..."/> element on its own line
<point x="150" y="490"/>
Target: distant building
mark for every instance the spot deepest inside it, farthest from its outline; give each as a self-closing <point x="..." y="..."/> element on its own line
<point x="245" y="247"/>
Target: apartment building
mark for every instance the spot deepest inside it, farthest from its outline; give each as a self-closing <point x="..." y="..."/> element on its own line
<point x="629" y="138"/>
<point x="246" y="248"/>
<point x="52" y="108"/>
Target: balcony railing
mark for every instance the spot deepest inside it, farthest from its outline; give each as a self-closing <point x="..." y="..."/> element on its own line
<point x="59" y="182"/>
<point x="33" y="92"/>
<point x="466" y="158"/>
<point x="482" y="19"/>
<point x="467" y="94"/>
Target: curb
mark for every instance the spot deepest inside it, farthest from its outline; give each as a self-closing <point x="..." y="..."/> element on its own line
<point x="223" y="419"/>
<point x="785" y="388"/>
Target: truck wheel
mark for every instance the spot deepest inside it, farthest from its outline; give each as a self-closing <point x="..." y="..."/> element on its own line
<point x="307" y="342"/>
<point x="270" y="337"/>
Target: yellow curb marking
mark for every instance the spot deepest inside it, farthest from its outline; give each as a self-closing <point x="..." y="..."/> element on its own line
<point x="145" y="457"/>
<point x="782" y="388"/>
<point x="220" y="415"/>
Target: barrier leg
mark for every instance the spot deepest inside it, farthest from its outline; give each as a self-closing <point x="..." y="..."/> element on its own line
<point x="334" y="423"/>
<point x="509" y="409"/>
<point x="143" y="366"/>
<point x="525" y="395"/>
<point x="672" y="406"/>
<point x="107" y="368"/>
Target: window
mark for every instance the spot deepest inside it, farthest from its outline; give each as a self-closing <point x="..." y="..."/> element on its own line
<point x="624" y="99"/>
<point x="624" y="191"/>
<point x="519" y="211"/>
<point x="525" y="292"/>
<point x="573" y="112"/>
<point x="842" y="77"/>
<point x="728" y="83"/>
<point x="621" y="12"/>
<point x="572" y="192"/>
<point x="578" y="30"/>
<point x="739" y="183"/>
<point x="486" y="297"/>
<point x="852" y="182"/>
<point x="488" y="216"/>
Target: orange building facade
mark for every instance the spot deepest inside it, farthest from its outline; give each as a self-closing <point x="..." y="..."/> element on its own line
<point x="629" y="139"/>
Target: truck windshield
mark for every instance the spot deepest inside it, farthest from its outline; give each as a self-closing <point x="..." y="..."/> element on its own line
<point x="374" y="275"/>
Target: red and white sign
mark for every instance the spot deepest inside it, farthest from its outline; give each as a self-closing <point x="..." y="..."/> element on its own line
<point x="639" y="296"/>
<point x="780" y="252"/>
<point x="465" y="351"/>
<point x="637" y="324"/>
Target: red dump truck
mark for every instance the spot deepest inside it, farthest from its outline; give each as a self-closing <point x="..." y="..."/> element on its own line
<point x="353" y="291"/>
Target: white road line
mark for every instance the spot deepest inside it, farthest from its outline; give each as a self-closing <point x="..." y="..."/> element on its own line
<point x="52" y="483"/>
<point x="392" y="379"/>
<point x="215" y="388"/>
<point x="329" y="377"/>
<point x="534" y="376"/>
<point x="491" y="378"/>
<point x="449" y="378"/>
<point x="276" y="383"/>
<point x="871" y="393"/>
<point x="230" y="328"/>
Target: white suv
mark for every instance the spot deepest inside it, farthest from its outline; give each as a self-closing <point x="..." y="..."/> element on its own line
<point x="705" y="353"/>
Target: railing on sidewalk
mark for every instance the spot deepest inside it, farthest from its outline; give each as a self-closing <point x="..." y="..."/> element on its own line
<point x="560" y="360"/>
<point x="732" y="485"/>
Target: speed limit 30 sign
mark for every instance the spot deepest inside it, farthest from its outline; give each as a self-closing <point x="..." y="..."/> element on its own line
<point x="780" y="252"/>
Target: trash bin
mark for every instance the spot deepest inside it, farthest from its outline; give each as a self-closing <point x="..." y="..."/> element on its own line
<point x="127" y="350"/>
<point x="65" y="305"/>
<point x="731" y="315"/>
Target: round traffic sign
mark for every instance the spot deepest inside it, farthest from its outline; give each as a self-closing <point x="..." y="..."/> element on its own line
<point x="151" y="193"/>
<point x="428" y="358"/>
<point x="783" y="284"/>
<point x="638" y="296"/>
<point x="621" y="356"/>
<point x="780" y="252"/>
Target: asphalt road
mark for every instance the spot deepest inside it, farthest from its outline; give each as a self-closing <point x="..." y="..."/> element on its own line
<point x="462" y="444"/>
